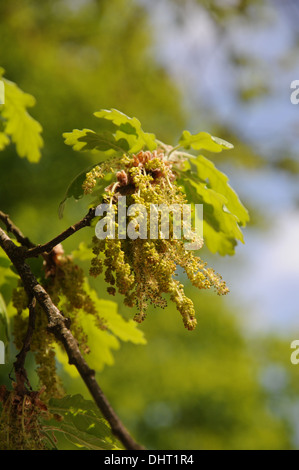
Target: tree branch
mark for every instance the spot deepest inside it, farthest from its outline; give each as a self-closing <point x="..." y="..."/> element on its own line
<point x="12" y="228"/>
<point x="47" y="247"/>
<point x="58" y="325"/>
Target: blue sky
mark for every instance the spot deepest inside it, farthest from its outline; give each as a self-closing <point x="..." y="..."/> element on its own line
<point x="264" y="274"/>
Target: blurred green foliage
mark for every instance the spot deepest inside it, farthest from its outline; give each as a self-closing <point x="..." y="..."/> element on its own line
<point x="74" y="62"/>
<point x="207" y="390"/>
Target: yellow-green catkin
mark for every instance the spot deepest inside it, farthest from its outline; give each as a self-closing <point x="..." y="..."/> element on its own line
<point x="144" y="270"/>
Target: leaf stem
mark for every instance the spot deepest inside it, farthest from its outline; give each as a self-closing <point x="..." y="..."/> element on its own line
<point x="47" y="247"/>
<point x="12" y="228"/>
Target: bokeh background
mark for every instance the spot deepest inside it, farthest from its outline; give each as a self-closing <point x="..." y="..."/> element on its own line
<point x="220" y="66"/>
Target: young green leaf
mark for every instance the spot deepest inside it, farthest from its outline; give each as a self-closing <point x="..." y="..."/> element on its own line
<point x="80" y="422"/>
<point x="204" y="141"/>
<point x="126" y="127"/>
<point x="223" y="212"/>
<point x="218" y="181"/>
<point x="116" y="134"/>
<point x="75" y="188"/>
<point x="87" y="139"/>
<point x="101" y="343"/>
<point x="23" y="130"/>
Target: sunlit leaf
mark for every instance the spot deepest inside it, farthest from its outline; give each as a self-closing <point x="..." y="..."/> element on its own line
<point x="23" y="130"/>
<point x="72" y="138"/>
<point x="127" y="126"/>
<point x="203" y="141"/>
<point x="116" y="134"/>
<point x="223" y="212"/>
<point x="102" y="343"/>
<point x="218" y="181"/>
<point x="125" y="330"/>
<point x="80" y="422"/>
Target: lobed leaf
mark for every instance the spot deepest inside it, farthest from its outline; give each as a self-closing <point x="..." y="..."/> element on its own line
<point x="75" y="188"/>
<point x="203" y="141"/>
<point x="23" y="130"/>
<point x="126" y="127"/>
<point x="218" y="181"/>
<point x="80" y="422"/>
<point x="87" y="139"/>
<point x="223" y="212"/>
<point x="117" y="134"/>
<point x="102" y="343"/>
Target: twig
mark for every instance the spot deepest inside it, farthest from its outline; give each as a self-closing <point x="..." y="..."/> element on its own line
<point x="47" y="247"/>
<point x="58" y="325"/>
<point x="12" y="228"/>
